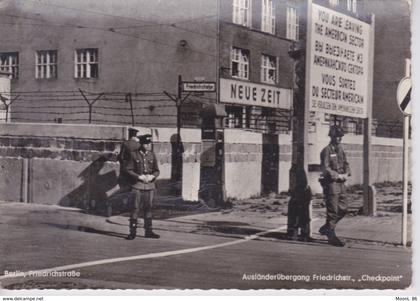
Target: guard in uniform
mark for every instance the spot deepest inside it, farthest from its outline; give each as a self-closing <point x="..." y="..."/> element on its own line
<point x="143" y="170"/>
<point x="129" y="146"/>
<point x="124" y="156"/>
<point x="335" y="172"/>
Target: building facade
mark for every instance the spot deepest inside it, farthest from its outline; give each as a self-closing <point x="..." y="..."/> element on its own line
<point x="143" y="48"/>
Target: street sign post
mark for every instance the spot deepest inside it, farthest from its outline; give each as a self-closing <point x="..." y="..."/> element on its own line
<point x="199" y="86"/>
<point x="404" y="103"/>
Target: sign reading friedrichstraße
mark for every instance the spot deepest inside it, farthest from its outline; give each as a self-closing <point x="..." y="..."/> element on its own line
<point x="198" y="86"/>
<point x="246" y="93"/>
<point x="339" y="55"/>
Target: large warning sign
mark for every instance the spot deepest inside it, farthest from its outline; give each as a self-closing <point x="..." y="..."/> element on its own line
<point x="338" y="54"/>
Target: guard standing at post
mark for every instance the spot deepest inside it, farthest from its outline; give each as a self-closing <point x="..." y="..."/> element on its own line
<point x="143" y="170"/>
<point x="124" y="156"/>
<point x="335" y="172"/>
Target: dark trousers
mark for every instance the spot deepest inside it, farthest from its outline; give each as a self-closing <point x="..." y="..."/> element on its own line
<point x="336" y="202"/>
<point x="142" y="199"/>
<point x="298" y="215"/>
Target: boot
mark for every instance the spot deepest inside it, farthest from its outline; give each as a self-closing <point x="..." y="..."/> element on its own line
<point x="335" y="241"/>
<point x="133" y="229"/>
<point x="332" y="238"/>
<point x="148" y="229"/>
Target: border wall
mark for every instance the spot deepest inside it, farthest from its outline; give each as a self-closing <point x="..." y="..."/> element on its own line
<point x="70" y="165"/>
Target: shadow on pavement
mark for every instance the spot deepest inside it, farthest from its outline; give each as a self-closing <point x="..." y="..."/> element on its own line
<point x="87" y="230"/>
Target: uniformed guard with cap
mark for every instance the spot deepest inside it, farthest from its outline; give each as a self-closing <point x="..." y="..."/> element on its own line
<point x="335" y="172"/>
<point x="143" y="170"/>
<point x="124" y="156"/>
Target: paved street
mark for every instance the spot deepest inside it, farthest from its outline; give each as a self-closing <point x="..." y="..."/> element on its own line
<point x="224" y="249"/>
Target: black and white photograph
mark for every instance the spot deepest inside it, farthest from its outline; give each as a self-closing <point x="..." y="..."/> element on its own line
<point x="206" y="145"/>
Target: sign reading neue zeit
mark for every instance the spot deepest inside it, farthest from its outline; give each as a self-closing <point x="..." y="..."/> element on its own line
<point x="338" y="54"/>
<point x="246" y="93"/>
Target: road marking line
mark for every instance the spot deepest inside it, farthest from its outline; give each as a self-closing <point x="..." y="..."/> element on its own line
<point x="139" y="257"/>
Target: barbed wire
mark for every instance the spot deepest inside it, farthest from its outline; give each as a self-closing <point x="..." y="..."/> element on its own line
<point x="154" y="108"/>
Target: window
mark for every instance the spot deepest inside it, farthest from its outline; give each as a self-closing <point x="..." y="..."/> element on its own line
<point x="268" y="17"/>
<point x="238" y="117"/>
<point x="352" y="127"/>
<point x="292" y="23"/>
<point x="234" y="117"/>
<point x="240" y="63"/>
<point x="9" y="62"/>
<point x="352" y="6"/>
<point x="46" y="64"/>
<point x="333" y="3"/>
<point x="268" y="69"/>
<point x="86" y="63"/>
<point x="242" y="12"/>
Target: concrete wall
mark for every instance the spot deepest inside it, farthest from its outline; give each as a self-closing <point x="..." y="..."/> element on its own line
<point x="243" y="153"/>
<point x="72" y="165"/>
<point x="58" y="164"/>
<point x="244" y="166"/>
<point x="164" y="147"/>
<point x="244" y="161"/>
<point x="75" y="165"/>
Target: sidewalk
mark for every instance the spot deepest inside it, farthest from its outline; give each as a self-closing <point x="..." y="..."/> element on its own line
<point x="382" y="229"/>
<point x="245" y="217"/>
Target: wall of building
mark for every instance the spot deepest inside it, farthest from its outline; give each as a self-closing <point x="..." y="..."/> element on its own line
<point x="139" y="48"/>
<point x="257" y="42"/>
<point x="226" y="15"/>
<point x="136" y="52"/>
<point x="392" y="47"/>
